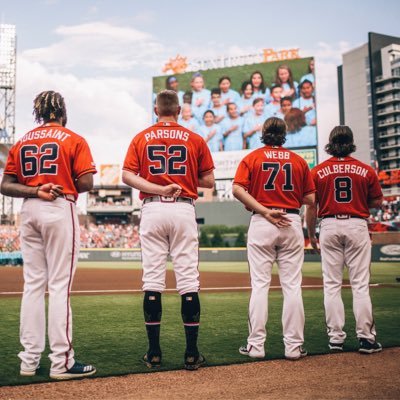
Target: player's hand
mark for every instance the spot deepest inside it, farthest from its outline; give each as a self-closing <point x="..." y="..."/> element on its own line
<point x="49" y="191"/>
<point x="277" y="218"/>
<point x="172" y="190"/>
<point x="314" y="245"/>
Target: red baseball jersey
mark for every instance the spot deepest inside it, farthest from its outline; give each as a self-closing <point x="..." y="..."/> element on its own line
<point x="50" y="153"/>
<point x="168" y="153"/>
<point x="345" y="186"/>
<point x="275" y="177"/>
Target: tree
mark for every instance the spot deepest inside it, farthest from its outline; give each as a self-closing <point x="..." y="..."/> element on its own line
<point x="240" y="240"/>
<point x="217" y="240"/>
<point x="204" y="241"/>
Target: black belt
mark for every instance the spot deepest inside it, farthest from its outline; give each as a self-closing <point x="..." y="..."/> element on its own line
<point x="286" y="210"/>
<point x="342" y="216"/>
<point x="163" y="199"/>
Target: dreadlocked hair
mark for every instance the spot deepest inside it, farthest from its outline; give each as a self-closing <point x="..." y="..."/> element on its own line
<point x="49" y="106"/>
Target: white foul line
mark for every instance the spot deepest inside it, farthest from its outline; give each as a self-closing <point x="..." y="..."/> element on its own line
<point x="174" y="290"/>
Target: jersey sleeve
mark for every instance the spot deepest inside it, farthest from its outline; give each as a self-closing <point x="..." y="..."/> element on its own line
<point x="82" y="160"/>
<point x="374" y="188"/>
<point x="242" y="176"/>
<point x="131" y="162"/>
<point x="11" y="165"/>
<point x="206" y="162"/>
<point x="308" y="181"/>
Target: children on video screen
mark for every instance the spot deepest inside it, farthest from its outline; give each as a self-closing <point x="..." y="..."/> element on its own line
<point x="229" y="120"/>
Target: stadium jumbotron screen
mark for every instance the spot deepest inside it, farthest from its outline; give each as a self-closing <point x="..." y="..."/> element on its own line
<point x="227" y="106"/>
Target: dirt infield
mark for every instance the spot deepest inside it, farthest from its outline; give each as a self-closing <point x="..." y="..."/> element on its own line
<point x="337" y="376"/>
<point x="101" y="279"/>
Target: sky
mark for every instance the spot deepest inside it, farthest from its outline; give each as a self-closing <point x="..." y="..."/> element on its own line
<point x="101" y="55"/>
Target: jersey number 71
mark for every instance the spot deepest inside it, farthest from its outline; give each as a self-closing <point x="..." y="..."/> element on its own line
<point x="275" y="167"/>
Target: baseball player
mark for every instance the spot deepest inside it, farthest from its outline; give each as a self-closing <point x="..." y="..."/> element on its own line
<point x="274" y="178"/>
<point x="48" y="167"/>
<point x="167" y="162"/>
<point x="346" y="189"/>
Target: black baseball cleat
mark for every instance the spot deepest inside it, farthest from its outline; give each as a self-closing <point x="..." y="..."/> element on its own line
<point x="152" y="361"/>
<point x="194" y="362"/>
<point x="78" y="370"/>
<point x="335" y="347"/>
<point x="367" y="347"/>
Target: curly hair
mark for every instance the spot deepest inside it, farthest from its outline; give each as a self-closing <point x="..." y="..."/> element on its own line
<point x="341" y="142"/>
<point x="274" y="132"/>
<point x="49" y="106"/>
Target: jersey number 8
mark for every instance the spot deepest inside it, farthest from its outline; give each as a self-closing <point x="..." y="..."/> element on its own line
<point x="343" y="193"/>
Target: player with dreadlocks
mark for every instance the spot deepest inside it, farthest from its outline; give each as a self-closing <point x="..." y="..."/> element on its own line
<point x="48" y="167"/>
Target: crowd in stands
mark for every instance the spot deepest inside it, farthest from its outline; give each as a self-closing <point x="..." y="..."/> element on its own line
<point x="232" y="120"/>
<point x="110" y="236"/>
<point x="390" y="211"/>
<point x="9" y="238"/>
<point x="92" y="236"/>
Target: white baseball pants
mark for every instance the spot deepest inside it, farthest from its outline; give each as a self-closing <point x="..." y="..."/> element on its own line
<point x="267" y="244"/>
<point x="346" y="242"/>
<point x="169" y="228"/>
<point x="50" y="244"/>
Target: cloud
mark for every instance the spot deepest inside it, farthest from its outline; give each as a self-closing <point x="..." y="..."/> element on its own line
<point x="98" y="45"/>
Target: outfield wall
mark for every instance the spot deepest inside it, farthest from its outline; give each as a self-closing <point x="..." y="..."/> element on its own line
<point x="383" y="253"/>
<point x="389" y="252"/>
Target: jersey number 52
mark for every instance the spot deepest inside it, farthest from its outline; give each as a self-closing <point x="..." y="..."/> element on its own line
<point x="167" y="159"/>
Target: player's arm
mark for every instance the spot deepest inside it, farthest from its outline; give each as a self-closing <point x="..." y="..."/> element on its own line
<point x="139" y="183"/>
<point x="311" y="218"/>
<point x="311" y="221"/>
<point x="375" y="203"/>
<point x="207" y="180"/>
<point x="274" y="216"/>
<point x="12" y="188"/>
<point x="84" y="183"/>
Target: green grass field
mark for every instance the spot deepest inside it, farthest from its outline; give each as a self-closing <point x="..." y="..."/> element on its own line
<point x="109" y="330"/>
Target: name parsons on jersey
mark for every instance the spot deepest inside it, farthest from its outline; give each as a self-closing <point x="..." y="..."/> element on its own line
<point x="167" y="134"/>
<point x="45" y="133"/>
<point x="342" y="169"/>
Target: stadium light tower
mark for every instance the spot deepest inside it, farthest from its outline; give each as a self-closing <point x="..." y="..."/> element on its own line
<point x="8" y="42"/>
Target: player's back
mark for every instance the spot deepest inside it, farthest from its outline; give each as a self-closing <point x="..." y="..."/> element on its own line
<point x="344" y="186"/>
<point x="168" y="153"/>
<point x="50" y="153"/>
<point x="278" y="177"/>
